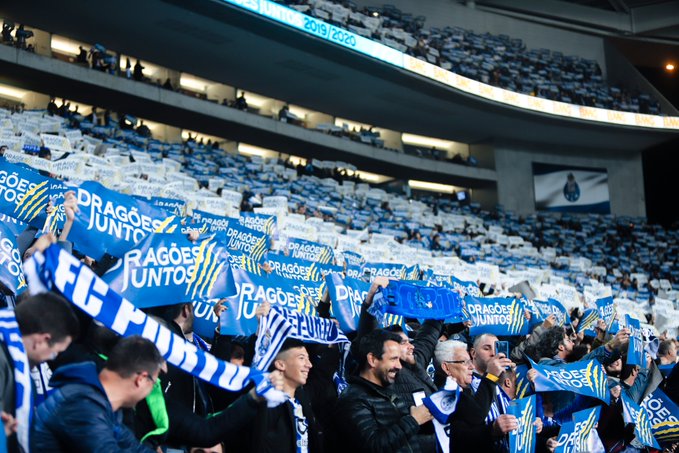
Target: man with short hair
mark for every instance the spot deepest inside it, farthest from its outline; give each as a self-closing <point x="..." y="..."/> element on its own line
<point x="291" y="426"/>
<point x="667" y="355"/>
<point x="83" y="412"/>
<point x="47" y="325"/>
<point x="370" y="417"/>
<point x="483" y="350"/>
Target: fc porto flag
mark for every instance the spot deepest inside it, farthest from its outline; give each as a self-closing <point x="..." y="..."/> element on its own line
<point x="169" y="269"/>
<point x="637" y="415"/>
<point x="110" y="222"/>
<point x="291" y="268"/>
<point x="663" y="416"/>
<point x="501" y="316"/>
<point x="11" y="272"/>
<point x="522" y="440"/>
<point x="570" y="189"/>
<point x="586" y="378"/>
<point x="635" y="352"/>
<point x="346" y="297"/>
<point x="243" y="239"/>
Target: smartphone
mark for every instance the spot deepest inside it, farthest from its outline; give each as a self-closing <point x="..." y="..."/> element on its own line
<point x="418" y="397"/>
<point x="502" y="347"/>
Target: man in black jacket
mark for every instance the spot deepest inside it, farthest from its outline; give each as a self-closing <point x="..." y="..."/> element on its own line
<point x="369" y="416"/>
<point x="291" y="426"/>
<point x="468" y="429"/>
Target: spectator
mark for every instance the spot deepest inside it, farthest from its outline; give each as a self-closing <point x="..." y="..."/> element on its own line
<point x="374" y="419"/>
<point x="81" y="58"/>
<point x="138" y="73"/>
<point x="241" y="103"/>
<point x="128" y="68"/>
<point x="47" y="325"/>
<point x="667" y="357"/>
<point x="83" y="412"/>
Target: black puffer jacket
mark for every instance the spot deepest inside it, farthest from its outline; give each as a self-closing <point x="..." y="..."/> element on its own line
<point x="371" y="418"/>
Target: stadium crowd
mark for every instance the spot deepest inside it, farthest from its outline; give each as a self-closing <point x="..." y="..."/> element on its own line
<point x="339" y="317"/>
<point x="497" y="60"/>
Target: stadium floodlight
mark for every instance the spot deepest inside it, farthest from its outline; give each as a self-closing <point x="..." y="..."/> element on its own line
<point x="11" y="92"/>
<point x="431" y="186"/>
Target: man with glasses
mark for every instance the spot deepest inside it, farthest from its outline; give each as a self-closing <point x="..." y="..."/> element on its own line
<point x="83" y="413"/>
<point x="468" y="428"/>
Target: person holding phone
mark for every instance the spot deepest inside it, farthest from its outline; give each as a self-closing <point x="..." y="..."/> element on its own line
<point x="484" y="350"/>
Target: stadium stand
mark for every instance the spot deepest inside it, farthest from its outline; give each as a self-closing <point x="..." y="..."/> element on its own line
<point x="183" y="296"/>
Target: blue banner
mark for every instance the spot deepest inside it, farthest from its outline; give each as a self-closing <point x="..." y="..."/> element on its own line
<point x="584" y="378"/>
<point x="551" y="307"/>
<point x="522" y="440"/>
<point x="346" y="297"/>
<point x="588" y="320"/>
<point x="637" y="415"/>
<point x="239" y="318"/>
<point x="575" y="436"/>
<point x="259" y="222"/>
<point x="253" y="243"/>
<point x="664" y="416"/>
<point x="635" y="350"/>
<point x="167" y="269"/>
<point x="353" y="258"/>
<point x="110" y="222"/>
<point x="501" y="316"/>
<point x="25" y="193"/>
<point x="215" y="223"/>
<point x="14" y="225"/>
<point x="11" y="272"/>
<point x="205" y="321"/>
<point x="292" y="268"/>
<point x="171" y="205"/>
<point x="310" y="251"/>
<point x="466" y="288"/>
<point x="606" y="308"/>
<point x="389" y="270"/>
<point x="523" y="387"/>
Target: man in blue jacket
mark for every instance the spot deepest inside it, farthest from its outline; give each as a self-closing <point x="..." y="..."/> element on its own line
<point x="82" y="415"/>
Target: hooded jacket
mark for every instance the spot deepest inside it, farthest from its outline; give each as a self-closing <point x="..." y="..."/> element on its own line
<point x="78" y="417"/>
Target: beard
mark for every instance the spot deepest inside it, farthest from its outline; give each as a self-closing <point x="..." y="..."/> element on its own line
<point x="386" y="379"/>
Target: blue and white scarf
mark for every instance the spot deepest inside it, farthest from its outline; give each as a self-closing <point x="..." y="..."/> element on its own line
<point x="11" y="336"/>
<point x="442" y="404"/>
<point x="56" y="269"/>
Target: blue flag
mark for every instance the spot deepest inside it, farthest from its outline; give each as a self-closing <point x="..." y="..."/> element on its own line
<point x="110" y="222"/>
<point x="259" y="222"/>
<point x="465" y="288"/>
<point x="389" y="270"/>
<point x="214" y="223"/>
<point x="575" y="436"/>
<point x="635" y="351"/>
<point x="25" y="193"/>
<point x="310" y="251"/>
<point x="346" y="297"/>
<point x="501" y="316"/>
<point x="637" y="415"/>
<point x="353" y="259"/>
<point x="168" y="269"/>
<point x="522" y="440"/>
<point x="292" y="268"/>
<point x="171" y="205"/>
<point x="252" y="242"/>
<point x="523" y="387"/>
<point x="589" y="319"/>
<point x="11" y="272"/>
<point x="606" y="308"/>
<point x="584" y="377"/>
<point x="239" y="318"/>
<point x="551" y="307"/>
<point x="663" y="416"/>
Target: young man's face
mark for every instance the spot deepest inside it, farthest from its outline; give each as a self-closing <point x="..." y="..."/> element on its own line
<point x="386" y="369"/>
<point x="295" y="365"/>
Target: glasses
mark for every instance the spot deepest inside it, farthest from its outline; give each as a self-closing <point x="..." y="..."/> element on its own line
<point x="148" y="376"/>
<point x="467" y="362"/>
